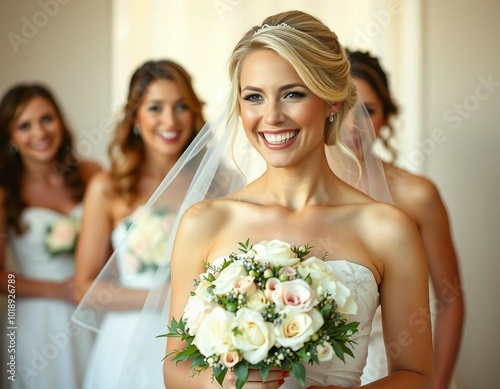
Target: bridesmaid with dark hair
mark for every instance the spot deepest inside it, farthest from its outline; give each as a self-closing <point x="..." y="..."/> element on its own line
<point x="42" y="183"/>
<point x="420" y="199"/>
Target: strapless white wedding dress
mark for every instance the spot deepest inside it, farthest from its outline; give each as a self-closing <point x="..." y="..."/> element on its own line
<point x="365" y="291"/>
<point x="107" y="366"/>
<point x="51" y="351"/>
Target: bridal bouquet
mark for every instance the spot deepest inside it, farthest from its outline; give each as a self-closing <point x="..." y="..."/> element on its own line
<point x="148" y="239"/>
<point x="268" y="306"/>
<point x="62" y="236"/>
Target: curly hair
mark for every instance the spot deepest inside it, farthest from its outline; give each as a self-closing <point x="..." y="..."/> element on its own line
<point x="126" y="150"/>
<point x="11" y="164"/>
<point x="367" y="68"/>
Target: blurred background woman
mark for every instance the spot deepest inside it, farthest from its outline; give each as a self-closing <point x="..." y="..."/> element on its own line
<point x="161" y="117"/>
<point x="42" y="183"/>
<point x="419" y="198"/>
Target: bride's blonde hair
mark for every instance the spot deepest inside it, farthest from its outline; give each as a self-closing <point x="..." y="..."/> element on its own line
<point x="314" y="52"/>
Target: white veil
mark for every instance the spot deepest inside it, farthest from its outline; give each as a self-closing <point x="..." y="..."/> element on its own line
<point x="218" y="162"/>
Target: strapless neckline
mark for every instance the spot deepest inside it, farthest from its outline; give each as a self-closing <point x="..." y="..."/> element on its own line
<point x="35" y="208"/>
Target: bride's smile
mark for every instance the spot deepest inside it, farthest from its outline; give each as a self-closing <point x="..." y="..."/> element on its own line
<point x="282" y="118"/>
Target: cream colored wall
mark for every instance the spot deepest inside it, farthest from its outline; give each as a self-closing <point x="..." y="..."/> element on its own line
<point x="462" y="97"/>
<point x="66" y="45"/>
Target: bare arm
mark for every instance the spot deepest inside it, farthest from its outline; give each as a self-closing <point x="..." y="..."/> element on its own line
<point x="187" y="265"/>
<point x="404" y="296"/>
<point x="94" y="245"/>
<point x="433" y="224"/>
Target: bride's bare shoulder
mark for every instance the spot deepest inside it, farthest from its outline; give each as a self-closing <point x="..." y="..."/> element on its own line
<point x="208" y="212"/>
<point x="380" y="222"/>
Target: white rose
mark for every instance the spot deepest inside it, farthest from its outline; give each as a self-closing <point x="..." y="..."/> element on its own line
<point x="344" y="300"/>
<point x="230" y="359"/>
<point x="294" y="296"/>
<point x="257" y="301"/>
<point x="214" y="333"/>
<point x="255" y="336"/>
<point x="195" y="311"/>
<point x="62" y="237"/>
<point x="276" y="252"/>
<point x="316" y="268"/>
<point x="202" y="292"/>
<point x="324" y="352"/>
<point x="295" y="330"/>
<point x="245" y="284"/>
<point x="227" y="277"/>
<point x="327" y="285"/>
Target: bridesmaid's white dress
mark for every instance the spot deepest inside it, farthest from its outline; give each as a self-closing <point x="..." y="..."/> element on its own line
<point x="51" y="351"/>
<point x="107" y="367"/>
<point x="376" y="364"/>
<point x="365" y="291"/>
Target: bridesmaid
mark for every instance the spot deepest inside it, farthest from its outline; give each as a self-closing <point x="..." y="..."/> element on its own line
<point x="420" y="199"/>
<point x="162" y="116"/>
<point x="41" y="188"/>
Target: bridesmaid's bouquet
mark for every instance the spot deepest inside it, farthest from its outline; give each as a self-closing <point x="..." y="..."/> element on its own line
<point x="268" y="306"/>
<point x="147" y="240"/>
<point x="62" y="236"/>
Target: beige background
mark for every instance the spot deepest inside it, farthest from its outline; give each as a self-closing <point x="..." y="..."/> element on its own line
<point x="444" y="62"/>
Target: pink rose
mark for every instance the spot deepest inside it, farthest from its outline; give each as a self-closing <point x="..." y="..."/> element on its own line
<point x="271" y="284"/>
<point x="230" y="358"/>
<point x="245" y="284"/>
<point x="294" y="296"/>
<point x="288" y="271"/>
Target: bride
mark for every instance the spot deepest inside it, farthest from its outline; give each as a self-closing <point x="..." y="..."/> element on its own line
<point x="292" y="90"/>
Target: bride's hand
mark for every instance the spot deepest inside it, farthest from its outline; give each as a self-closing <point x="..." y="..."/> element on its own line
<point x="274" y="380"/>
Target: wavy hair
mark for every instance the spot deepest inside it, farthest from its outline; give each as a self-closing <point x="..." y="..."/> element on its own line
<point x="126" y="150"/>
<point x="11" y="164"/>
<point x="314" y="52"/>
<point x="367" y="68"/>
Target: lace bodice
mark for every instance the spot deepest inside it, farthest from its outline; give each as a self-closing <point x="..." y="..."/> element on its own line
<point x="364" y="287"/>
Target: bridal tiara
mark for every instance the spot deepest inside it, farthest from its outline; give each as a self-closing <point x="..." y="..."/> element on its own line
<point x="268" y="26"/>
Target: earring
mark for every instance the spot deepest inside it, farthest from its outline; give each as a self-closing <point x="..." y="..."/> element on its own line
<point x="12" y="149"/>
<point x="331" y="118"/>
<point x="136" y="130"/>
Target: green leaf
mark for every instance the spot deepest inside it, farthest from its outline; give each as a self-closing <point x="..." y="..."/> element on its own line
<point x="264" y="371"/>
<point x="241" y="371"/>
<point x="338" y="350"/>
<point x="245" y="247"/>
<point x="219" y="375"/>
<point x="299" y="371"/>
